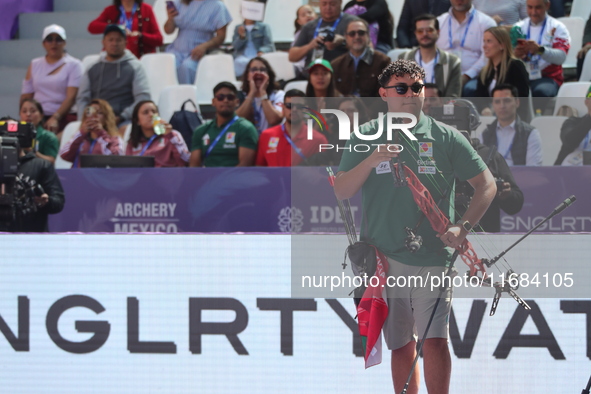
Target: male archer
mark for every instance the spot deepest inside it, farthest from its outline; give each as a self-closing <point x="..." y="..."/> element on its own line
<point x="439" y="154"/>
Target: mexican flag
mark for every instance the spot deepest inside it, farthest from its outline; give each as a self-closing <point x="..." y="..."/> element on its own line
<point x="372" y="312"/>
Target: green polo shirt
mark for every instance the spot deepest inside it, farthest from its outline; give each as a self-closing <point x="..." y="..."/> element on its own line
<point x="47" y="142"/>
<point x="241" y="134"/>
<point x="440" y="154"/>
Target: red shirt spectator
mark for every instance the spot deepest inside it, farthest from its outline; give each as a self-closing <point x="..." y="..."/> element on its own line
<point x="143" y="35"/>
<point x="275" y="150"/>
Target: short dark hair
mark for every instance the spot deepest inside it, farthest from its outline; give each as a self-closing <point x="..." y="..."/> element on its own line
<point x="357" y="19"/>
<point x="294" y="93"/>
<point x="431" y="85"/>
<point x="425" y="17"/>
<point x="225" y="84"/>
<point x="400" y="68"/>
<point x="505" y="86"/>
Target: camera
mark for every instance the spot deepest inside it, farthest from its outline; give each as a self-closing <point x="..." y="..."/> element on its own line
<point x="327" y="33"/>
<point x="499" y="182"/>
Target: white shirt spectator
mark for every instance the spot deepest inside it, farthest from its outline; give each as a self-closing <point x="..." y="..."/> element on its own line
<point x="466" y="38"/>
<point x="505" y="135"/>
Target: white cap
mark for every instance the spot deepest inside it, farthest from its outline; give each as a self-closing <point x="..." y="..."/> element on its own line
<point x="51" y="29"/>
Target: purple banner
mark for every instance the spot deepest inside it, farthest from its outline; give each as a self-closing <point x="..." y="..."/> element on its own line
<point x="259" y="199"/>
<point x="10" y="9"/>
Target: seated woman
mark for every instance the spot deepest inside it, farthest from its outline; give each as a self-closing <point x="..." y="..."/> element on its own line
<point x="502" y="67"/>
<point x="262" y="105"/>
<point x="321" y="82"/>
<point x="53" y="80"/>
<point x="304" y="15"/>
<point x="47" y="144"/>
<point x="98" y="134"/>
<point x="143" y="33"/>
<point x="251" y="39"/>
<point x="151" y="136"/>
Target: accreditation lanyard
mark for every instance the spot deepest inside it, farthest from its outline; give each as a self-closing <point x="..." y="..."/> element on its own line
<point x="220" y="135"/>
<point x="541" y="32"/>
<point x="124" y="20"/>
<point x="145" y="148"/>
<point x="449" y="33"/>
<point x="334" y="25"/>
<point x="506" y="155"/>
<point x="586" y="141"/>
<point x="80" y="150"/>
<point x="434" y="64"/>
<point x="293" y="145"/>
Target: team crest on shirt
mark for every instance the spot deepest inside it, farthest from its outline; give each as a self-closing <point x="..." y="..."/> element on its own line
<point x="426" y="149"/>
<point x="273" y="142"/>
<point x="205" y="140"/>
<point x="230" y="137"/>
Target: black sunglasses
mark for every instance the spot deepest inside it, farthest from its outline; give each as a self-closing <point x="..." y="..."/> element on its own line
<point x="222" y="97"/>
<point x="402" y="89"/>
<point x="360" y="33"/>
<point x="292" y="105"/>
<point x="52" y="39"/>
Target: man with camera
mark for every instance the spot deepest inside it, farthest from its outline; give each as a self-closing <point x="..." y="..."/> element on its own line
<point x="36" y="191"/>
<point x="323" y="37"/>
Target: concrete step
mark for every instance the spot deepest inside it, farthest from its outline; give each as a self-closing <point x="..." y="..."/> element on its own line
<point x="9" y="105"/>
<point x="23" y="51"/>
<point x="12" y="79"/>
<point x="76" y="23"/>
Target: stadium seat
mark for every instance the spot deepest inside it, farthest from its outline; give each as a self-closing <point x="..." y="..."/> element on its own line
<point x="395" y="7"/>
<point x="576" y="27"/>
<point x="549" y="128"/>
<point x="161" y="71"/>
<point x="299" y="85"/>
<point x="581" y="8"/>
<point x="280" y="63"/>
<point x="161" y="17"/>
<point x="212" y="70"/>
<point x="236" y="14"/>
<point x="573" y="95"/>
<point x="69" y="131"/>
<point x="586" y="73"/>
<point x="394" y="53"/>
<point x="172" y="97"/>
<point x="279" y="15"/>
<point x="89" y="60"/>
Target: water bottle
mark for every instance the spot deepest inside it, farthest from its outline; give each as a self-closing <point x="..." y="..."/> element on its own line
<point x="159" y="127"/>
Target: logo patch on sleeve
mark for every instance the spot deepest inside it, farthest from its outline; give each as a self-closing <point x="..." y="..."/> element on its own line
<point x="230" y="137"/>
<point x="426" y="149"/>
<point x="273" y="142"/>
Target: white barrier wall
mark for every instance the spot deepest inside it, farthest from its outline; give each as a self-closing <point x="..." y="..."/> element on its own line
<point x="213" y="314"/>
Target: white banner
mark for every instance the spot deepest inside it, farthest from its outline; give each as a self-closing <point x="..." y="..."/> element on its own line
<point x="213" y="314"/>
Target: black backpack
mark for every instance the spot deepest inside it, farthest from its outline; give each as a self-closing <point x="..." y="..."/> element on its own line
<point x="185" y="122"/>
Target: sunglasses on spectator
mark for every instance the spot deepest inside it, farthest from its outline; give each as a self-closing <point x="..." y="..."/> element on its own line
<point x="52" y="39"/>
<point x="222" y="97"/>
<point x="360" y="33"/>
<point x="402" y="89"/>
<point x="258" y="70"/>
<point x="292" y="105"/>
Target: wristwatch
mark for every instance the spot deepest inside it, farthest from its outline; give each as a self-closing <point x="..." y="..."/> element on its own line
<point x="265" y="97"/>
<point x="465" y="225"/>
<point x="541" y="50"/>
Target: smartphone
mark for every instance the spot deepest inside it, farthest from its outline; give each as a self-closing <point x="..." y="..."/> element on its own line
<point x="170" y="5"/>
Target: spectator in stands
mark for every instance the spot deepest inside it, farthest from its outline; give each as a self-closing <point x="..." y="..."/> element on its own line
<point x="240" y="137"/>
<point x="312" y="42"/>
<point x="98" y="134"/>
<point x="202" y="27"/>
<point x="152" y="137"/>
<point x="380" y="21"/>
<point x="544" y="49"/>
<point x="47" y="144"/>
<point x="141" y="26"/>
<point x="356" y="72"/>
<point x="504" y="12"/>
<point x="405" y="34"/>
<point x="433" y="97"/>
<point x="118" y="77"/>
<point x="287" y="144"/>
<point x="586" y="46"/>
<point x="509" y="196"/>
<point x="575" y="134"/>
<point x="50" y="202"/>
<point x="304" y="15"/>
<point x="251" y="39"/>
<point x="462" y="30"/>
<point x="517" y="141"/>
<point x="263" y="98"/>
<point x="441" y="68"/>
<point x="321" y="82"/>
<point x="53" y="80"/>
